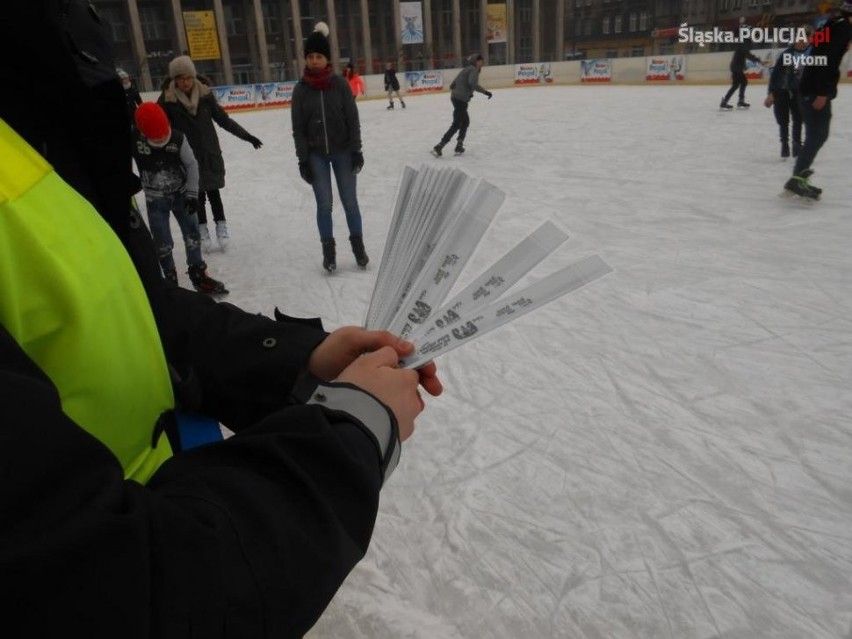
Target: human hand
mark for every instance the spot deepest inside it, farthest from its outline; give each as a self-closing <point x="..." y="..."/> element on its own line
<point x="819" y="102"/>
<point x="396" y="388"/>
<point x="255" y="142"/>
<point x="770" y="99"/>
<point x="346" y="344"/>
<point x="357" y="162"/>
<point x="306" y="173"/>
<point x="191" y="206"/>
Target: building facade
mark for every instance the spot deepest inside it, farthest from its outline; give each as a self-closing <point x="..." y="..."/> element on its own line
<point x="246" y="41"/>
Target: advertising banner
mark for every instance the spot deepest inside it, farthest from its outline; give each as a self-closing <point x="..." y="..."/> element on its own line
<point x="424" y="81"/>
<point x="495" y="23"/>
<point x="274" y="93"/>
<point x="665" y="68"/>
<point x="411" y="22"/>
<point x="235" y="97"/>
<point x="533" y="73"/>
<point x="596" y="70"/>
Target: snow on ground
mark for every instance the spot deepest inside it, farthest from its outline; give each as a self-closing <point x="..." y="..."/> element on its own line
<point x="666" y="453"/>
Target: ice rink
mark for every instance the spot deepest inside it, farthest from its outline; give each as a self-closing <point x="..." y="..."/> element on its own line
<point x="666" y="453"/>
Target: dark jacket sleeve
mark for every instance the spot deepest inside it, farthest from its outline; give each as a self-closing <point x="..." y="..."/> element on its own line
<point x="298" y="120"/>
<point x="250" y="537"/>
<point x="353" y="120"/>
<point x="221" y="117"/>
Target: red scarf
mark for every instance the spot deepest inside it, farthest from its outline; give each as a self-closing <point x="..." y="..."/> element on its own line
<point x="320" y="80"/>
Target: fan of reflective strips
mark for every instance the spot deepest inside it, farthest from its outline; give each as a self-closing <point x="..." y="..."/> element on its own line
<point x="439" y="218"/>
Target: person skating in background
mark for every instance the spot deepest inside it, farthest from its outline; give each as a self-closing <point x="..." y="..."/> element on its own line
<point x="392" y="86"/>
<point x="109" y="521"/>
<point x="356" y="82"/>
<point x="462" y="88"/>
<point x="192" y="110"/>
<point x="131" y="93"/>
<point x="327" y="135"/>
<point x="169" y="176"/>
<point x="739" y="82"/>
<point x="783" y="96"/>
<point x="817" y="88"/>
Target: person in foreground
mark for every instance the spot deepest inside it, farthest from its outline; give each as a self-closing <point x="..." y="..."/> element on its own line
<point x="108" y="526"/>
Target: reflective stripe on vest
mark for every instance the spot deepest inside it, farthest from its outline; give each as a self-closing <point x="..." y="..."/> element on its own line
<point x="71" y="297"/>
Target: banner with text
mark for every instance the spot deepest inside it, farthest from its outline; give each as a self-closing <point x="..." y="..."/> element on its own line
<point x="201" y="35"/>
<point x="665" y="68"/>
<point x="235" y="97"/>
<point x="533" y="73"/>
<point x="424" y="81"/>
<point x="596" y="70"/>
<point x="274" y="93"/>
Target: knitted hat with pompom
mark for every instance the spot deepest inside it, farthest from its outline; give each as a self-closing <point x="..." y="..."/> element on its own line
<point x="317" y="42"/>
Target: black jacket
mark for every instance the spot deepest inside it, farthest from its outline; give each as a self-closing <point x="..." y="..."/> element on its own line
<point x="822" y="79"/>
<point x="249" y="537"/>
<point x="741" y="54"/>
<point x="133" y="100"/>
<point x="200" y="131"/>
<point x="785" y="77"/>
<point x="325" y="121"/>
<point x="391" y="83"/>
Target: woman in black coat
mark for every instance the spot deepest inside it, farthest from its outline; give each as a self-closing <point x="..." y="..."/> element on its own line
<point x="192" y="110"/>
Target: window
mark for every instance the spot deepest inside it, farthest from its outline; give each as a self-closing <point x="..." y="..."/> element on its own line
<point x="617" y="26"/>
<point x="612" y="53"/>
<point x="637" y="52"/>
<point x="738" y="4"/>
<point x="271" y="18"/>
<point x="152" y="23"/>
<point x="605" y="25"/>
<point x="235" y="25"/>
<point x="725" y="5"/>
<point x="633" y="22"/>
<point x="587" y="27"/>
<point x="114" y="17"/>
<point x="643" y="21"/>
<point x="525" y="14"/>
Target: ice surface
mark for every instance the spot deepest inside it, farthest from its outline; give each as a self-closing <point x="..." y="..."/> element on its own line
<point x="666" y="453"/>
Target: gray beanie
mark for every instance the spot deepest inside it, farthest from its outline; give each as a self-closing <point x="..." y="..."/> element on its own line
<point x="182" y="65"/>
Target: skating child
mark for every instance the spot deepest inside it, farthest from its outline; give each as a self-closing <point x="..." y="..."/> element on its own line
<point x="392" y="86"/>
<point x="169" y="174"/>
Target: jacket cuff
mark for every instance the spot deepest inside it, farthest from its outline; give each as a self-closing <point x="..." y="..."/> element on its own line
<point x="371" y="415"/>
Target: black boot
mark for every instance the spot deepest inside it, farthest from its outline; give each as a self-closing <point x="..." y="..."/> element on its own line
<point x="785" y="149"/>
<point x="203" y="282"/>
<point x="357" y="242"/>
<point x="797" y="148"/>
<point x="329" y="255"/>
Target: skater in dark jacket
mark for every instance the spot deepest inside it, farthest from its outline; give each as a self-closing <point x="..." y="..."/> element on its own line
<point x="107" y="525"/>
<point x="327" y="134"/>
<point x="817" y="89"/>
<point x="131" y="93"/>
<point x="192" y="109"/>
<point x="392" y="86"/>
<point x="462" y="88"/>
<point x="783" y="96"/>
<point x="169" y="175"/>
<point x="739" y="82"/>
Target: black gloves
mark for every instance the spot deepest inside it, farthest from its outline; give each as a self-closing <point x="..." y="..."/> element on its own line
<point x="306" y="173"/>
<point x="489" y="94"/>
<point x="357" y="162"/>
<point x="191" y="206"/>
<point x="254" y="142"/>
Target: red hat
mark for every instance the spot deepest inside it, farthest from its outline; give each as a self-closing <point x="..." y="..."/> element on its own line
<point x="153" y="123"/>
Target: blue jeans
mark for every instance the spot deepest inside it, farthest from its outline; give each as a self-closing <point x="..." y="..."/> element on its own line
<point x="321" y="166"/>
<point x="159" y="210"/>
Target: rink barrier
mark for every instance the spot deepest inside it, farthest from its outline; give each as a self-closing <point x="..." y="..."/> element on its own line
<point x="677" y="69"/>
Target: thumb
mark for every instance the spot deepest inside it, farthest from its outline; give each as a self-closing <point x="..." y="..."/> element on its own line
<point x="386" y="356"/>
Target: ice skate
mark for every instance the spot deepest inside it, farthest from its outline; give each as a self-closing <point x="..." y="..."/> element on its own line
<point x="798" y="187"/>
<point x="742" y="104"/>
<point x="724" y="106"/>
<point x="390" y="107"/>
<point x="402" y="104"/>
<point x="204" y="233"/>
<point x="222" y="234"/>
<point x="203" y="282"/>
<point x="807" y="173"/>
<point x="361" y="258"/>
<point x="436" y="151"/>
<point x="329" y="257"/>
<point x="459" y="149"/>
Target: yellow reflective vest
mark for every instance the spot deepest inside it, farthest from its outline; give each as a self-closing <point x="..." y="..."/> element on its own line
<point x="71" y="297"/>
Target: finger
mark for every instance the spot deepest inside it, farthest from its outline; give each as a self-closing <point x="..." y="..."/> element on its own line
<point x="385" y="356"/>
<point x="367" y="341"/>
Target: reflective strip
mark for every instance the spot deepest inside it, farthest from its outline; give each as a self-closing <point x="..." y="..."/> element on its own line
<point x="71" y="297"/>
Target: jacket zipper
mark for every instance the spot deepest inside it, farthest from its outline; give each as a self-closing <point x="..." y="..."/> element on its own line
<point x="324" y="127"/>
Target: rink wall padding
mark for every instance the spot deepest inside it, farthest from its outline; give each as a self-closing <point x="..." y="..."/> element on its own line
<point x="677" y="69"/>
